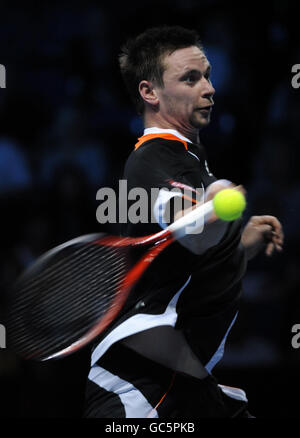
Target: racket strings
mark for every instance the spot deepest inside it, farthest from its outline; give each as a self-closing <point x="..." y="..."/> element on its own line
<point x="50" y="300"/>
<point x="68" y="297"/>
<point x="77" y="321"/>
<point x="79" y="299"/>
<point x="80" y="282"/>
<point x="57" y="268"/>
<point x="53" y="274"/>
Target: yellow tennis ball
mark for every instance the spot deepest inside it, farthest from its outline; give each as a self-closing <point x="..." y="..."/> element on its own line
<point x="229" y="204"/>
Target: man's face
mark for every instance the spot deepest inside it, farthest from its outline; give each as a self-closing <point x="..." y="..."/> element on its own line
<point x="186" y="99"/>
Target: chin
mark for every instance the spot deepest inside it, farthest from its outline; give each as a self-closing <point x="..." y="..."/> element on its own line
<point x="200" y="124"/>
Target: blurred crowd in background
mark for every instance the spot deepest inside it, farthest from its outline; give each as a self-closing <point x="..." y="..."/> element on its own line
<point x="67" y="126"/>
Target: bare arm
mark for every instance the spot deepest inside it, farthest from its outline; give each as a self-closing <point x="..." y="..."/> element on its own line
<point x="214" y="229"/>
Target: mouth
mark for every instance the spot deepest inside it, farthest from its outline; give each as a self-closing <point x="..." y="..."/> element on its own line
<point x="205" y="109"/>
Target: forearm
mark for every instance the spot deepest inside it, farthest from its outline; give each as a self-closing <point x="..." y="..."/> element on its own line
<point x="211" y="235"/>
<point x="207" y="236"/>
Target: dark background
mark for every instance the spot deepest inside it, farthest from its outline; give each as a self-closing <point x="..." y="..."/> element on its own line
<point x="67" y="126"/>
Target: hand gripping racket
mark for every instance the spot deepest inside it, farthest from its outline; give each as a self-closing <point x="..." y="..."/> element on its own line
<point x="73" y="292"/>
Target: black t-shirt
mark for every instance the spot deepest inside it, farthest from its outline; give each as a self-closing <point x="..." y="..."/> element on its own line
<point x="202" y="291"/>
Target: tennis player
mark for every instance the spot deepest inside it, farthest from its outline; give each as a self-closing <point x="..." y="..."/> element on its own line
<point x="157" y="359"/>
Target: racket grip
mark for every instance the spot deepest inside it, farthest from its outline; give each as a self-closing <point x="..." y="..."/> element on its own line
<point x="202" y="213"/>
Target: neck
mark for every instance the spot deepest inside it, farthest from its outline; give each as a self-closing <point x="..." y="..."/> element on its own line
<point x="191" y="133"/>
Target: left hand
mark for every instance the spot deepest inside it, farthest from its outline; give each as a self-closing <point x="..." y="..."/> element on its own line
<point x="262" y="233"/>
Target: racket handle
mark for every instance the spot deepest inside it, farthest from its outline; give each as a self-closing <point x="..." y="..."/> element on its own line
<point x="203" y="211"/>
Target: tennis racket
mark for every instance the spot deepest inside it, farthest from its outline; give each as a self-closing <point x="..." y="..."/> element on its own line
<point x="73" y="292"/>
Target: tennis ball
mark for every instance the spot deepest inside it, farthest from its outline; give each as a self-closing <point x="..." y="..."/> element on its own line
<point x="229" y="204"/>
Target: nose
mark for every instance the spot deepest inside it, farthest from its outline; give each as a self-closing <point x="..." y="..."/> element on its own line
<point x="208" y="90"/>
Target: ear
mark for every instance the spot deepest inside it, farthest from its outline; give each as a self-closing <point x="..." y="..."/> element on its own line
<point x="148" y="93"/>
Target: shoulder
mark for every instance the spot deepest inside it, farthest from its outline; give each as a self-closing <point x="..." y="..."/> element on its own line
<point x="157" y="152"/>
<point x="157" y="147"/>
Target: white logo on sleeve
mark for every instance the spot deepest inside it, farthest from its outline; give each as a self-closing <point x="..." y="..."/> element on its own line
<point x="207" y="169"/>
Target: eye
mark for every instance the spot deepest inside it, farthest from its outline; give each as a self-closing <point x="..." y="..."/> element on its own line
<point x="191" y="78"/>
